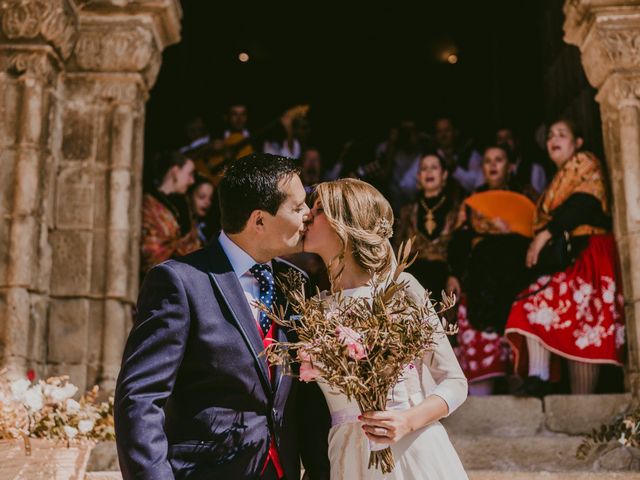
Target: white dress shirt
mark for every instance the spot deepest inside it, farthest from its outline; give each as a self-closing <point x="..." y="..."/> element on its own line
<point x="242" y="262"/>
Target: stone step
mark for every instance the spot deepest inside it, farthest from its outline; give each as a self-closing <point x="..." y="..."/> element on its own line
<point x="103" y="476"/>
<point x="496" y="475"/>
<point x="499" y="415"/>
<point x="477" y="475"/>
<point x="504" y="415"/>
<point x="525" y="453"/>
<point x="540" y="453"/>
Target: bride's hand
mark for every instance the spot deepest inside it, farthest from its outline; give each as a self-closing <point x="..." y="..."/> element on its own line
<point x="385" y="427"/>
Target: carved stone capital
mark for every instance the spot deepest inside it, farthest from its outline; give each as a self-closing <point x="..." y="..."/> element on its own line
<point x="113" y="48"/>
<point x="35" y="63"/>
<point x="620" y="90"/>
<point x="121" y="89"/>
<point x="607" y="33"/>
<point x="126" y="36"/>
<point x="130" y="41"/>
<point x="166" y="15"/>
<point x="53" y="22"/>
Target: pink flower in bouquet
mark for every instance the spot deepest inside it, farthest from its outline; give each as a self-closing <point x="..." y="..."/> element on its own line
<point x="308" y="373"/>
<point x="353" y="341"/>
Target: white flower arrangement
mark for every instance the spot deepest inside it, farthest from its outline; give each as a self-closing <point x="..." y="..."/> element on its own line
<point x="47" y="410"/>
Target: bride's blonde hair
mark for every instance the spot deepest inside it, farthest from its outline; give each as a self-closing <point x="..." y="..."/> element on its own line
<point x="362" y="218"/>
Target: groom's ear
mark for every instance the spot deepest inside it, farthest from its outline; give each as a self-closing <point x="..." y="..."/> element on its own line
<point x="256" y="221"/>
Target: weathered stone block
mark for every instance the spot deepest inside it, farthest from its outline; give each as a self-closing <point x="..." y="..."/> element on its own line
<point x="38" y="328"/>
<point x="134" y="267"/>
<point x="117" y="316"/>
<point x="118" y="264"/>
<point x="99" y="262"/>
<point x="27" y="182"/>
<point x="527" y="454"/>
<point x="104" y="457"/>
<point x="71" y="273"/>
<point x="15" y="306"/>
<point x="632" y="271"/>
<point x="119" y="194"/>
<point x="103" y="476"/>
<point x="103" y="147"/>
<point x="5" y="242"/>
<point x="68" y="331"/>
<point x="478" y="416"/>
<point x="619" y="458"/>
<point x="74" y="202"/>
<point x="42" y="280"/>
<point x="22" y="258"/>
<point x="8" y="108"/>
<point x="96" y="327"/>
<point x="579" y="414"/>
<point x="7" y="179"/>
<point x="511" y="475"/>
<point x="100" y="197"/>
<point x="78" y="137"/>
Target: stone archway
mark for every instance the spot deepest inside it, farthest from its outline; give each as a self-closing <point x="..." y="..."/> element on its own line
<point x="74" y="79"/>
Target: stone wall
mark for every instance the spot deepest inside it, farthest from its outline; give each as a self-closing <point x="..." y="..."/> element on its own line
<point x="74" y="79"/>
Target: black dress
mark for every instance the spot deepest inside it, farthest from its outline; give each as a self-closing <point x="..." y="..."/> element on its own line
<point x="430" y="268"/>
<point x="491" y="267"/>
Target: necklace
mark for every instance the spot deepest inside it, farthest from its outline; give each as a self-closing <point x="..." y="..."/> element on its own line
<point x="430" y="223"/>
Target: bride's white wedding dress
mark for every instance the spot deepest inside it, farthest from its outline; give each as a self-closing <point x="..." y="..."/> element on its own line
<point x="427" y="453"/>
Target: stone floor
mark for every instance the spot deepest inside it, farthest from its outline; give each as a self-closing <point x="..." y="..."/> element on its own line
<point x="476" y="475"/>
<point x="508" y="438"/>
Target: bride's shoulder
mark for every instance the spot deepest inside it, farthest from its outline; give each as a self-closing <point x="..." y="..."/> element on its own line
<point x="411" y="282"/>
<point x="412" y="285"/>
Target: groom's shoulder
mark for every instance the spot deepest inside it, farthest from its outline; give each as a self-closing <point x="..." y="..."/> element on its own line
<point x="188" y="265"/>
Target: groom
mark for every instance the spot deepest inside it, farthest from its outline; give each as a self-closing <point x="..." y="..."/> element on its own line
<point x="195" y="399"/>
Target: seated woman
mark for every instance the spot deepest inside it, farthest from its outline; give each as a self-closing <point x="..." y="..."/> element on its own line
<point x="487" y="254"/>
<point x="576" y="311"/>
<point x="201" y="201"/>
<point x="167" y="227"/>
<point x="431" y="220"/>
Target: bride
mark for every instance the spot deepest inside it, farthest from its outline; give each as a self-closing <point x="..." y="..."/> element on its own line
<point x="351" y="221"/>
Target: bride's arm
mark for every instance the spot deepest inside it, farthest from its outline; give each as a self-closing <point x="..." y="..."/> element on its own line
<point x="449" y="393"/>
<point x="450" y="382"/>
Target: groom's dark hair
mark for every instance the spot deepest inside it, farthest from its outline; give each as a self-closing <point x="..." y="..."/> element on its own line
<point x="252" y="183"/>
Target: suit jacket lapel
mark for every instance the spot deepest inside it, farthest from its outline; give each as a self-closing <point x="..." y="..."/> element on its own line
<point x="225" y="279"/>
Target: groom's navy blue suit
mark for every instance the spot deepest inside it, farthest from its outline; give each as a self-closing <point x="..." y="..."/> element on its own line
<point x="194" y="399"/>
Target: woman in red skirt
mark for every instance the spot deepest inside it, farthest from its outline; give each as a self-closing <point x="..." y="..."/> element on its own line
<point x="576" y="313"/>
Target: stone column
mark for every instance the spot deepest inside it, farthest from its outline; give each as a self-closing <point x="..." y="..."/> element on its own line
<point x="608" y="35"/>
<point x="74" y="79"/>
<point x="35" y="38"/>
<point x="98" y="213"/>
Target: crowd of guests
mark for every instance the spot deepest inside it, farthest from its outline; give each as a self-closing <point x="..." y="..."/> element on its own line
<point x="523" y="241"/>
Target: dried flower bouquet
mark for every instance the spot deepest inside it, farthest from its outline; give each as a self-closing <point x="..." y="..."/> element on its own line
<point x="359" y="346"/>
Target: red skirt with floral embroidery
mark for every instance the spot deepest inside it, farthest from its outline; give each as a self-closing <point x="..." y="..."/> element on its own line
<point x="577" y="314"/>
<point x="482" y="355"/>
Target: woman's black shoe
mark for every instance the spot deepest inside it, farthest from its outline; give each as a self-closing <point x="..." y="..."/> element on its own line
<point x="533" y="387"/>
